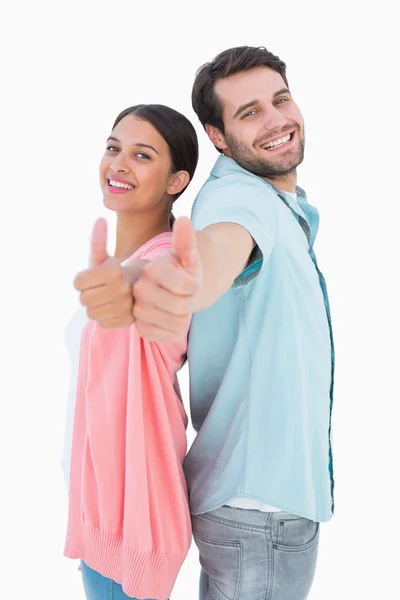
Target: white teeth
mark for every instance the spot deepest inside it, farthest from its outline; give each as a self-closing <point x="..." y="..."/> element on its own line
<point x="276" y="143"/>
<point x="118" y="184"/>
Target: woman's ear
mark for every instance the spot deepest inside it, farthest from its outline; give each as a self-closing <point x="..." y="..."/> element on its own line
<point x="177" y="182"/>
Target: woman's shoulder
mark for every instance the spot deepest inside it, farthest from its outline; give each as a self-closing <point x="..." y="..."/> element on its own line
<point x="154" y="247"/>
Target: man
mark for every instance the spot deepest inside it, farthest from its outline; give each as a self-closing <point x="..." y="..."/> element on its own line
<point x="260" y="349"/>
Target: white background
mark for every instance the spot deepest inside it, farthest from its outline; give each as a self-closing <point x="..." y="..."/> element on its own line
<point x="67" y="71"/>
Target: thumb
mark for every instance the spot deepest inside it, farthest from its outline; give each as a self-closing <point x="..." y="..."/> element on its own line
<point x="98" y="244"/>
<point x="184" y="246"/>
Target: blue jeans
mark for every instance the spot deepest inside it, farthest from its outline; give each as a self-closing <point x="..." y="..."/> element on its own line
<point x="98" y="587"/>
<point x="248" y="554"/>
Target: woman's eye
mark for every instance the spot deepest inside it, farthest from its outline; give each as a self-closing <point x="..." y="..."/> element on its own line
<point x="142" y="155"/>
<point x="112" y="149"/>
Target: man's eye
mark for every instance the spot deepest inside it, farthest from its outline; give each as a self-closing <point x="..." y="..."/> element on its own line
<point x="249" y="114"/>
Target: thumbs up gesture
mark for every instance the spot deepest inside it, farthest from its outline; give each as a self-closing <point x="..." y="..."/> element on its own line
<point x="164" y="293"/>
<point x="104" y="289"/>
<point x="98" y="244"/>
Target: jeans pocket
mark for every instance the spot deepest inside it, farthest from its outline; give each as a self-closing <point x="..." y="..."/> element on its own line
<point x="221" y="562"/>
<point x="295" y="559"/>
<point x="295" y="533"/>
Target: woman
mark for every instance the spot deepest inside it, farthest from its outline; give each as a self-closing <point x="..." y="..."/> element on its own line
<point x="129" y="521"/>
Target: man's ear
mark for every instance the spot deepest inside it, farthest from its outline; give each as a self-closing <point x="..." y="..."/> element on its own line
<point x="216" y="136"/>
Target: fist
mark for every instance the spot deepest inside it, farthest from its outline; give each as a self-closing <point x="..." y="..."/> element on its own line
<point x="165" y="292"/>
<point x="104" y="290"/>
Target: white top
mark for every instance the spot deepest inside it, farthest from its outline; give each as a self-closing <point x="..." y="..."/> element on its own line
<point x="73" y="335"/>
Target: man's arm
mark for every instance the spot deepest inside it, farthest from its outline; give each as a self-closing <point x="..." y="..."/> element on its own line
<point x="224" y="250"/>
<point x="200" y="269"/>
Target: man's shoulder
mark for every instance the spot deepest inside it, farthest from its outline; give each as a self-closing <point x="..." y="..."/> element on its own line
<point x="231" y="181"/>
<point x="232" y="189"/>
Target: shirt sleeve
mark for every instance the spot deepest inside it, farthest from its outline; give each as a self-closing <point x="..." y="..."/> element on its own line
<point x="247" y="202"/>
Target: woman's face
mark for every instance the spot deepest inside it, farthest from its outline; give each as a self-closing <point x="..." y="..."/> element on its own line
<point x="135" y="171"/>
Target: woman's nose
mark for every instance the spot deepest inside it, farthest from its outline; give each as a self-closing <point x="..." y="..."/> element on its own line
<point x="119" y="164"/>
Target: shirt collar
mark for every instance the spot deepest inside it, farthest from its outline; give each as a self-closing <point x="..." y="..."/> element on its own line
<point x="225" y="165"/>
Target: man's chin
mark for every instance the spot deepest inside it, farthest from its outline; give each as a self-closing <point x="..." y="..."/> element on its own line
<point x="286" y="168"/>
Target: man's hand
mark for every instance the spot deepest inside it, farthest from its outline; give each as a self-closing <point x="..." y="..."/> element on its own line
<point x="105" y="290"/>
<point x="165" y="292"/>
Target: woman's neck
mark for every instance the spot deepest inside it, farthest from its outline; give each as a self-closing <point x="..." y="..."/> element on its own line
<point x="134" y="230"/>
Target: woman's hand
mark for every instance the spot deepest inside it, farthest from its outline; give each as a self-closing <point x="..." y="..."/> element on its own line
<point x="106" y="288"/>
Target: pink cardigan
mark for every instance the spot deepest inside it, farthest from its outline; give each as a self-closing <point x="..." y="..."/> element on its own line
<point x="128" y="507"/>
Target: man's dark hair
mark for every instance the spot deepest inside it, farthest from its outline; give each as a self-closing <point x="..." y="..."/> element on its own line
<point x="205" y="102"/>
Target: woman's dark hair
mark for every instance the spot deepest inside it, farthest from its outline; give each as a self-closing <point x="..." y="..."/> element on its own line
<point x="205" y="102"/>
<point x="177" y="131"/>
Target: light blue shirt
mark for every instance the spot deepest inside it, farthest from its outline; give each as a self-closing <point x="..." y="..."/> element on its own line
<point x="261" y="358"/>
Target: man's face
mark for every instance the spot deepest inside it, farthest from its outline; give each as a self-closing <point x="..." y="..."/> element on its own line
<point x="264" y="129"/>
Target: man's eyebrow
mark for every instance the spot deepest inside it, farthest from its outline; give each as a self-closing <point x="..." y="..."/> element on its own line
<point x="244" y="107"/>
<point x="284" y="90"/>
